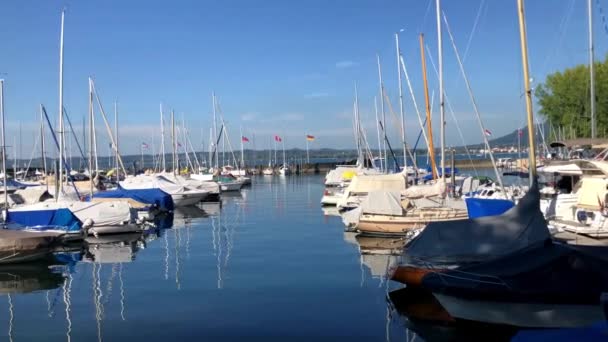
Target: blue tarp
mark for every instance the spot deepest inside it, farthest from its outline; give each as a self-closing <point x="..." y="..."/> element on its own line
<point x="448" y="171"/>
<point x="153" y="197"/>
<point x="480" y="207"/>
<point x="52" y="218"/>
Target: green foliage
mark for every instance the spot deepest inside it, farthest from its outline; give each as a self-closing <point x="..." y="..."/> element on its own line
<point x="564" y="100"/>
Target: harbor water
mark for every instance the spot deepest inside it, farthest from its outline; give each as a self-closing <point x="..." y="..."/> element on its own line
<point x="265" y="263"/>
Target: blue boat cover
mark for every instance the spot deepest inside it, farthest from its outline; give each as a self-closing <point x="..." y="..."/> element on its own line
<point x="480" y="207"/>
<point x="52" y="218"/>
<point x="152" y="197"/>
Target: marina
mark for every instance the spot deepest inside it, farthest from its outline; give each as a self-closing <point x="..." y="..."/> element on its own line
<point x="253" y="213"/>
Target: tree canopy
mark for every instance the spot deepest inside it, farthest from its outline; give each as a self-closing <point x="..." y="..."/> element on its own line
<point x="565" y="102"/>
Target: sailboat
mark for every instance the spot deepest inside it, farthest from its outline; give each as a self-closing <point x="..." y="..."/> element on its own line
<point x="403" y="210"/>
<point x="269" y="171"/>
<point x="507" y="269"/>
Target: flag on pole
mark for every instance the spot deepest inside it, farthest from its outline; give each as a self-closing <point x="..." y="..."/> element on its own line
<point x="487" y="132"/>
<point x="144" y="145"/>
<point x="310" y="138"/>
<point x="179" y="144"/>
<point x="521" y="132"/>
<point x="244" y="139"/>
<point x="277" y="138"/>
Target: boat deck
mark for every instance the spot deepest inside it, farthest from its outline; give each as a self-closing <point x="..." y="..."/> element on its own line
<point x="579" y="239"/>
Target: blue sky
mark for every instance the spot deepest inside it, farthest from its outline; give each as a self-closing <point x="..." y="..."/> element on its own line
<point x="278" y="67"/>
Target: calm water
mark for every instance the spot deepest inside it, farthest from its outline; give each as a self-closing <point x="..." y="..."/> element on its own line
<point x="266" y="263"/>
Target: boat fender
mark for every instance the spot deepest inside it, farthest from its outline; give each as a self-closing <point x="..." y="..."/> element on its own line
<point x="88" y="223"/>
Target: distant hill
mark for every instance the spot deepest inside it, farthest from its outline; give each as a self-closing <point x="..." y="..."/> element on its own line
<point x="511" y="138"/>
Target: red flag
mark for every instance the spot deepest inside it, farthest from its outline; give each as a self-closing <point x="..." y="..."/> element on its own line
<point x="144" y="145"/>
<point x="244" y="139"/>
<point x="521" y="132"/>
<point x="277" y="138"/>
<point x="310" y="137"/>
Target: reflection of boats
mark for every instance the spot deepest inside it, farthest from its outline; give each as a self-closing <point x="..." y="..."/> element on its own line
<point x="211" y="208"/>
<point x="112" y="248"/>
<point x="381" y="245"/>
<point x="330" y="211"/>
<point x="186" y="213"/>
<point x="429" y="320"/>
<point x="30" y="277"/>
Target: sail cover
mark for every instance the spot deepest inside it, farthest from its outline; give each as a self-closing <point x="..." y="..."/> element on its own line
<point x="481" y="238"/>
<point x="382" y="203"/>
<point x="153" y="196"/>
<point x="365" y="184"/>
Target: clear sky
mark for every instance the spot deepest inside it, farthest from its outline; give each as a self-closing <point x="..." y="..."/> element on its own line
<point x="278" y="67"/>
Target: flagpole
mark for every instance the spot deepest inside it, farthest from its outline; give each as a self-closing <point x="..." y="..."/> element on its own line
<point x="307" y="156"/>
<point x="142" y="156"/>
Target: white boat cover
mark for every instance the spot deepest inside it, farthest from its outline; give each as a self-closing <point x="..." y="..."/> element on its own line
<point x="31" y="195"/>
<point x="564" y="169"/>
<point x="382" y="203"/>
<point x="591" y="192"/>
<point x="335" y="176"/>
<point x="203" y="177"/>
<point x="89" y="213"/>
<point x="160" y="182"/>
<point x="366" y="184"/>
<point x="423" y="191"/>
<point x="482" y="238"/>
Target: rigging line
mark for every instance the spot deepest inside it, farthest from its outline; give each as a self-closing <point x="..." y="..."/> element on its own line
<point x="473" y="30"/>
<point x="453" y="115"/>
<point x="602" y="16"/>
<point x="563" y="27"/>
<point x="477" y="114"/>
<point x="426" y="15"/>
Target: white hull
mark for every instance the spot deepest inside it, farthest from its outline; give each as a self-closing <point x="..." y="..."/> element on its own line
<point x="127" y="228"/>
<point x="330" y="200"/>
<point x="522" y="314"/>
<point x="232" y="186"/>
<point x="182" y="200"/>
<point x="268" y="172"/>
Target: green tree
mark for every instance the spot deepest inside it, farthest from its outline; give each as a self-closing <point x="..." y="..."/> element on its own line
<point x="564" y="100"/>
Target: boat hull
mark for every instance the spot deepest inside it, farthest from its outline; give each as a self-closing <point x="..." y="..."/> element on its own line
<point x="182" y="200"/>
<point x="529" y="315"/>
<point x="402" y="225"/>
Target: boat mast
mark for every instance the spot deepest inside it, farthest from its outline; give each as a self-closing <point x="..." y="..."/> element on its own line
<point x="428" y="109"/>
<point x="242" y="151"/>
<point x="361" y="159"/>
<point x="591" y="69"/>
<point x="116" y="147"/>
<point x="441" y="95"/>
<point x="378" y="130"/>
<point x="383" y="112"/>
<point x="42" y="145"/>
<point x="529" y="109"/>
<point x="61" y="141"/>
<point x="173" y="139"/>
<point x="217" y="156"/>
<point x="91" y="136"/>
<point x="401" y="110"/>
<point x="3" y="147"/>
<point x="162" y="138"/>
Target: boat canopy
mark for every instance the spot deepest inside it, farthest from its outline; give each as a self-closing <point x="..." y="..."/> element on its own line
<point x="479" y="239"/>
<point x="423" y="191"/>
<point x="152" y="196"/>
<point x="338" y="174"/>
<point x="369" y="183"/>
<point x="382" y="203"/>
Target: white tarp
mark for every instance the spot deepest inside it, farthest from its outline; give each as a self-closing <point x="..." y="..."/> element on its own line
<point x="382" y="203"/>
<point x="366" y="184"/>
<point x="564" y="169"/>
<point x="591" y="192"/>
<point x="335" y="176"/>
<point x="351" y="217"/>
<point x="31" y="195"/>
<point x="422" y="191"/>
